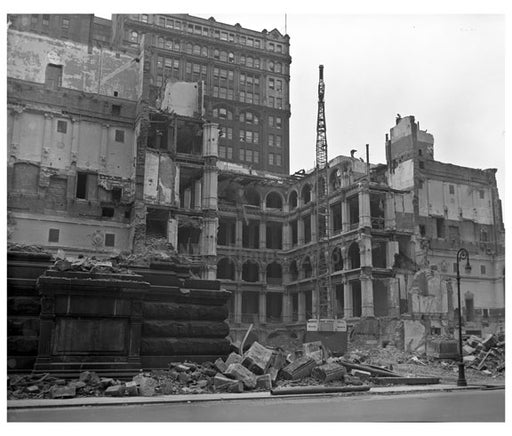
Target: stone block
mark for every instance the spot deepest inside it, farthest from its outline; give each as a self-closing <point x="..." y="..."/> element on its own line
<point x="115" y="391"/>
<point x="278" y="360"/>
<point x="220" y="365"/>
<point x="467" y="350"/>
<point x="184" y="377"/>
<point x="264" y="382"/>
<point x="240" y="372"/>
<point x="147" y="386"/>
<point x="233" y="358"/>
<point x="329" y="372"/>
<point x="313" y="350"/>
<point x="32" y="389"/>
<point x="257" y="358"/>
<point x="469" y="359"/>
<point x="273" y="372"/>
<point x="132" y="389"/>
<point x="225" y="384"/>
<point x="181" y="368"/>
<point x="351" y="380"/>
<point x="63" y="392"/>
<point x="299" y="368"/>
<point x="77" y="384"/>
<point x="105" y="382"/>
<point x="362" y="375"/>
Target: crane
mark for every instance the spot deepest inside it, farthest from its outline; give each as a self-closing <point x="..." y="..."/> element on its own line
<point x="324" y="307"/>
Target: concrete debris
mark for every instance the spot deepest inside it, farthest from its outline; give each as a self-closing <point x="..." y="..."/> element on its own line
<point x="24" y="248"/>
<point x="299" y="368"/>
<point x="267" y="368"/>
<point x="257" y="358"/>
<point x="485" y="354"/>
<point x="239" y="372"/>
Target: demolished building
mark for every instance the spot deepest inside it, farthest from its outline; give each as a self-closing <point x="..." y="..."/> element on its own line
<point x="102" y="161"/>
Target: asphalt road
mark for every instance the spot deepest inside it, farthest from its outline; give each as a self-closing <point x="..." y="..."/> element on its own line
<point x="467" y="406"/>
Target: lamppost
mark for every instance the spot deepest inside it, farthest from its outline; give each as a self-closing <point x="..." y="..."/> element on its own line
<point x="461" y="255"/>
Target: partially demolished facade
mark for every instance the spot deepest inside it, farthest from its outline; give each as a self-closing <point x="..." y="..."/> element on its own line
<point x="101" y="161"/>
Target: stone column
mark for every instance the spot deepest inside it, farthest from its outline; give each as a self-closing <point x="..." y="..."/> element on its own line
<point x="198" y="200"/>
<point x="393" y="297"/>
<point x="187" y="199"/>
<point x="392" y="249"/>
<point x="103" y="144"/>
<point x="237" y="316"/>
<point x="389" y="212"/>
<point x="208" y="190"/>
<point x="302" y="307"/>
<point x="263" y="308"/>
<point x="287" y="237"/>
<point x="287" y="309"/>
<point x="300" y="231"/>
<point x="365" y="250"/>
<point x="209" y="236"/>
<point x="314" y="236"/>
<point x="315" y="299"/>
<point x="75" y="140"/>
<point x="263" y="235"/>
<point x="345" y="216"/>
<point x="366" y="296"/>
<point x="347" y="294"/>
<point x="238" y="232"/>
<point x="210" y="139"/>
<point x="47" y="139"/>
<point x="364" y="207"/>
<point x="17" y="125"/>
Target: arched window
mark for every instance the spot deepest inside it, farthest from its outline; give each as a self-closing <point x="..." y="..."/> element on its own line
<point x="250" y="271"/>
<point x="354" y="256"/>
<point x="292" y="200"/>
<point x="274" y="274"/>
<point x="294" y="271"/>
<point x="306" y="194"/>
<point x="337" y="259"/>
<point x="274" y="201"/>
<point x="307" y="268"/>
<point x="226" y="269"/>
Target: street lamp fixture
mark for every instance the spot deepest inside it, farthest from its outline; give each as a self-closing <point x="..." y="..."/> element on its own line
<point x="461" y="255"/>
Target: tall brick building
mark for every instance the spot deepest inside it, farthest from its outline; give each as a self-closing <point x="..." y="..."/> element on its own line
<point x="246" y="75"/>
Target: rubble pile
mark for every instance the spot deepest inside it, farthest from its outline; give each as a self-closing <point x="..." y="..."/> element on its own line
<point x="25" y="248"/>
<point x="90" y="265"/>
<point x="154" y="250"/>
<point x="485" y="354"/>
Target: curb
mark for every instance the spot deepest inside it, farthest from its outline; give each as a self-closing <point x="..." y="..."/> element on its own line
<point x="193" y="398"/>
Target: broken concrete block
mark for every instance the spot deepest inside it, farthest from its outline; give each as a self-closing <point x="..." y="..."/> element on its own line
<point x="469" y="359"/>
<point x="351" y="380"/>
<point x="329" y="372"/>
<point x="202" y="384"/>
<point x="77" y="384"/>
<point x="278" y="360"/>
<point x="468" y="350"/>
<point x="90" y="377"/>
<point x="147" y="386"/>
<point x="489" y="341"/>
<point x="32" y="389"/>
<point x="225" y="384"/>
<point x="183" y="377"/>
<point x="167" y="388"/>
<point x="233" y="358"/>
<point x="362" y="375"/>
<point x="314" y="350"/>
<point x="257" y="358"/>
<point x="181" y="368"/>
<point x="273" y="372"/>
<point x="60" y="382"/>
<point x="190" y="366"/>
<point x="115" y="391"/>
<point x="240" y="372"/>
<point x="63" y="392"/>
<point x="264" y="382"/>
<point x="131" y="389"/>
<point x="299" y="368"/>
<point x="106" y="382"/>
<point x="220" y="365"/>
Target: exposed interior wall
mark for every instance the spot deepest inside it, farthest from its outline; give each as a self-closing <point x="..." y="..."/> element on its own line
<point x="102" y="71"/>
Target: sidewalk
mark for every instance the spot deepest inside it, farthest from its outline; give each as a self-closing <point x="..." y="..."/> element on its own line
<point x="162" y="399"/>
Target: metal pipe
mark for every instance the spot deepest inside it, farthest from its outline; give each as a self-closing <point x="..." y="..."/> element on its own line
<point x="461" y="255"/>
<point x="298" y="390"/>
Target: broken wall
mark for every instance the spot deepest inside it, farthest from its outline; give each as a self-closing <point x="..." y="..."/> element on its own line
<point x="160" y="179"/>
<point x="182" y="98"/>
<point x="101" y="71"/>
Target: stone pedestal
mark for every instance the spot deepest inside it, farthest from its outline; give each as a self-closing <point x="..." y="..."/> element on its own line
<point x="90" y="321"/>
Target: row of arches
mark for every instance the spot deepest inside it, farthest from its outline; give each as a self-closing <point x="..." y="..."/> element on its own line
<point x="298" y="269"/>
<point x="226" y="269"/>
<point x="252" y="197"/>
